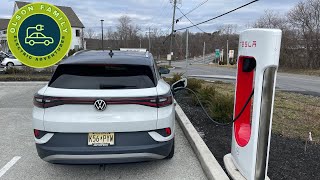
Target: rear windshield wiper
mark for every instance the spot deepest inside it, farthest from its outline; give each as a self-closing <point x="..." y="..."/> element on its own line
<point x="105" y="86"/>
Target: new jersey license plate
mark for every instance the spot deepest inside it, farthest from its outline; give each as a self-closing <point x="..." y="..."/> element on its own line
<point x="101" y="139"/>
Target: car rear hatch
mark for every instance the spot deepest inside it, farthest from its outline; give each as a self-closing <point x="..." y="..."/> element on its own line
<point x="128" y="90"/>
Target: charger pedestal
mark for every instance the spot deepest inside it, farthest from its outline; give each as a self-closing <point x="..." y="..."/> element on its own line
<point x="232" y="169"/>
<point x="257" y="65"/>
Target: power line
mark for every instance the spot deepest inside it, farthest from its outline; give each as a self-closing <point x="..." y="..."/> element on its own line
<point x="202" y="3"/>
<point x="184" y="15"/>
<point x="218" y="16"/>
<point x="167" y="38"/>
<point x="190" y="20"/>
<point x="164" y="9"/>
<point x="172" y="30"/>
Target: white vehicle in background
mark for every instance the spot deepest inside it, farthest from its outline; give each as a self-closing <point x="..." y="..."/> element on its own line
<point x="3" y="55"/>
<point x="10" y="62"/>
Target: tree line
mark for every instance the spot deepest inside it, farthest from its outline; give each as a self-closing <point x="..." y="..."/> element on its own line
<point x="128" y="35"/>
<point x="300" y="47"/>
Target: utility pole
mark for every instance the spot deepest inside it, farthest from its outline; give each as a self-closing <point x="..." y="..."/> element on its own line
<point x="187" y="50"/>
<point x="222" y="55"/>
<point x="172" y="30"/>
<point x="149" y="41"/>
<point x="227" y="51"/>
<point x="204" y="51"/>
<point x="102" y="33"/>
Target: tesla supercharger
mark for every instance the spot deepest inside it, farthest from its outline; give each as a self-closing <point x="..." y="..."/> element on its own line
<point x="258" y="62"/>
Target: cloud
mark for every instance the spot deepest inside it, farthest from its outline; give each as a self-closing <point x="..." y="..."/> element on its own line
<point x="158" y="13"/>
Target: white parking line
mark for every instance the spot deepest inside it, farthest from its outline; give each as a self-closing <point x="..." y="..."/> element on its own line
<point x="9" y="165"/>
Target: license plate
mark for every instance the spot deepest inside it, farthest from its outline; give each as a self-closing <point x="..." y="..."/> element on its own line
<point x="101" y="139"/>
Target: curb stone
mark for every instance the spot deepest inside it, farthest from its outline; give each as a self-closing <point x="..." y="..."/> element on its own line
<point x="208" y="162"/>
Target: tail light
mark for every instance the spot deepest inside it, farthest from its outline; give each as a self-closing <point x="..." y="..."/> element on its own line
<point x="156" y="101"/>
<point x="38" y="101"/>
<point x="46" y="101"/>
<point x="164" y="132"/>
<point x="36" y="133"/>
<point x="168" y="131"/>
<point x="39" y="134"/>
<point x="165" y="100"/>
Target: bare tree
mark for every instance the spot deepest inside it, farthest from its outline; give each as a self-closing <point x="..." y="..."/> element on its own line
<point x="126" y="30"/>
<point x="305" y="19"/>
<point x="228" y="29"/>
<point x="90" y="34"/>
<point x="289" y="50"/>
<point x="271" y="19"/>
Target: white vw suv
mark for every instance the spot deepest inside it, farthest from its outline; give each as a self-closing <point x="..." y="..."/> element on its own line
<point x="100" y="109"/>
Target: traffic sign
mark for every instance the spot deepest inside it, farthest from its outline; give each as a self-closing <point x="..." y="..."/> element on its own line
<point x="217" y="52"/>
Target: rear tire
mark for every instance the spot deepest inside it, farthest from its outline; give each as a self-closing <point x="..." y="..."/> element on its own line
<point x="171" y="152"/>
<point x="10" y="64"/>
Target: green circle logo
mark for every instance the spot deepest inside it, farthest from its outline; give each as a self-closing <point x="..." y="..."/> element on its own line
<point x="39" y="35"/>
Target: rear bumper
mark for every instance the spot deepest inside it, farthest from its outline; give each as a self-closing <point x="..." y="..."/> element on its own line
<point x="72" y="148"/>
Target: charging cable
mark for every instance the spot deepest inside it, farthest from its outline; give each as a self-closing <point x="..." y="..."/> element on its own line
<point x="205" y="111"/>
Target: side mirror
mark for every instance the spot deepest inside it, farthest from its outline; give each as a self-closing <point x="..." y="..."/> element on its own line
<point x="182" y="83"/>
<point x="163" y="70"/>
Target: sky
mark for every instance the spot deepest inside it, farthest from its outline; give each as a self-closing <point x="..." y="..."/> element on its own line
<point x="158" y="13"/>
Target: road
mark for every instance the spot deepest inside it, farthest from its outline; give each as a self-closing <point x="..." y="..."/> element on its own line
<point x="17" y="140"/>
<point x="288" y="82"/>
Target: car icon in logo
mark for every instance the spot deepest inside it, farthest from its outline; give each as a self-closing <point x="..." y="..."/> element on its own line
<point x="37" y="37"/>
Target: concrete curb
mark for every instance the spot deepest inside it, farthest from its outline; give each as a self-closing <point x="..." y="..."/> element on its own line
<point x="79" y="52"/>
<point x="209" y="164"/>
<point x="215" y="77"/>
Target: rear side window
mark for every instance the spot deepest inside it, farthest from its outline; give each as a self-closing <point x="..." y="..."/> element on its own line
<point x="69" y="76"/>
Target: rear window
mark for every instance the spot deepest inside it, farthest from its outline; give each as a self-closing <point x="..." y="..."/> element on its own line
<point x="102" y="77"/>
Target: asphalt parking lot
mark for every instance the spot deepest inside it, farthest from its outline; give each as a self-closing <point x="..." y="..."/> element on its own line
<point x="17" y="141"/>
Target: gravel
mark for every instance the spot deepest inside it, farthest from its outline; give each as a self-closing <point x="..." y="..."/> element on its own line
<point x="288" y="158"/>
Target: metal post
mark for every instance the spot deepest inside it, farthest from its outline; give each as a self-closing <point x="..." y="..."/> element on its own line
<point x="204" y="51"/>
<point x="222" y="55"/>
<point x="187" y="50"/>
<point x="102" y="33"/>
<point x="149" y="41"/>
<point x="227" y="52"/>
<point x="172" y="30"/>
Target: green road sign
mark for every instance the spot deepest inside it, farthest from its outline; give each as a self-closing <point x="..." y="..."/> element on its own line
<point x="217" y="51"/>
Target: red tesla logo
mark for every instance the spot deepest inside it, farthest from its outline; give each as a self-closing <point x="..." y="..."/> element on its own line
<point x="248" y="44"/>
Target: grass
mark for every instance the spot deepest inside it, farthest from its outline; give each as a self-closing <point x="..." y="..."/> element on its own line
<point x="218" y="104"/>
<point x="294" y="116"/>
<point x="311" y="72"/>
<point x="175" y="78"/>
<point x="24" y="77"/>
<point x="225" y="66"/>
<point x="166" y="66"/>
<point x="26" y="74"/>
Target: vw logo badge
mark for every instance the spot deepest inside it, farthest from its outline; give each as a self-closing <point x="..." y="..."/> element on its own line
<point x="100" y="105"/>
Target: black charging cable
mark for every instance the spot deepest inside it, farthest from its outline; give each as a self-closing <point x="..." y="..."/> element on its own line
<point x="205" y="111"/>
